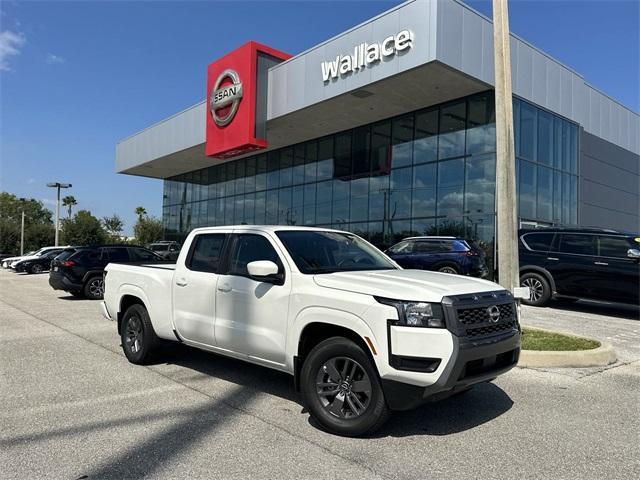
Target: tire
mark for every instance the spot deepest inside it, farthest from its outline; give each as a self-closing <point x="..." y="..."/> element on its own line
<point x="359" y="407"/>
<point x="448" y="269"/>
<point x="35" y="268"/>
<point x="539" y="288"/>
<point x="140" y="343"/>
<point x="94" y="288"/>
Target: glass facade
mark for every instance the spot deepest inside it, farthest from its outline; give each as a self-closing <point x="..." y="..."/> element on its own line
<point x="546" y="165"/>
<point x="427" y="172"/>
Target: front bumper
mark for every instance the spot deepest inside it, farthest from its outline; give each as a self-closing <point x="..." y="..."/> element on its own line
<point x="105" y="311"/>
<point x="472" y="362"/>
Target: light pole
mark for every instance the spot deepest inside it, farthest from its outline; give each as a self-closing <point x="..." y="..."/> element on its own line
<point x="22" y="235"/>
<point x="506" y="218"/>
<point x="58" y="186"/>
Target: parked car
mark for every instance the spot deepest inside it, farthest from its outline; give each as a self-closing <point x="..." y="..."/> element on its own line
<point x="440" y="254"/>
<point x="360" y="335"/>
<point x="572" y="264"/>
<point x="79" y="270"/>
<point x="166" y="249"/>
<point x="37" y="264"/>
<point x="8" y="262"/>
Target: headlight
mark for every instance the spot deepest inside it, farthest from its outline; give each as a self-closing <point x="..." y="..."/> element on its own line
<point x="417" y="314"/>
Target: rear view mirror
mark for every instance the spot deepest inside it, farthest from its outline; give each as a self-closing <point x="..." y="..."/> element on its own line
<point x="264" y="271"/>
<point x="633" y="253"/>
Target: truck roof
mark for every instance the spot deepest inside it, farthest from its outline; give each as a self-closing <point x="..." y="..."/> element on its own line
<point x="266" y="228"/>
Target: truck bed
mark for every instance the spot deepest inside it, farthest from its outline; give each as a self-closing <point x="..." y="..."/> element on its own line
<point x="151" y="282"/>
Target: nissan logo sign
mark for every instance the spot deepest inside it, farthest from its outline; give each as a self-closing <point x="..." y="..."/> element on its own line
<point x="222" y="97"/>
<point x="494" y="314"/>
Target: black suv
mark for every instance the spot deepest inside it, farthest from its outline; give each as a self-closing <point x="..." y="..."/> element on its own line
<point x="79" y="270"/>
<point x="567" y="263"/>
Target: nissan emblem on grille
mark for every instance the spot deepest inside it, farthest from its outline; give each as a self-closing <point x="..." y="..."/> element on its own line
<point x="494" y="314"/>
<point x="222" y="97"/>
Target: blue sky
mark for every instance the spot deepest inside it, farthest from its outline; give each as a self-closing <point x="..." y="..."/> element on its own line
<point x="76" y="77"/>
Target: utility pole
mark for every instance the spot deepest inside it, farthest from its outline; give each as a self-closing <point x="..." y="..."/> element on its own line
<point x="22" y="235"/>
<point x="58" y="186"/>
<point x="506" y="207"/>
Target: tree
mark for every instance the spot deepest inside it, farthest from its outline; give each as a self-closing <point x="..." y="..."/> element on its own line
<point x="140" y="212"/>
<point x="113" y="225"/>
<point x="83" y="229"/>
<point x="69" y="201"/>
<point x="147" y="230"/>
<point x="38" y="226"/>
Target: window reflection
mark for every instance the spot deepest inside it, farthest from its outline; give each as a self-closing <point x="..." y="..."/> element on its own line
<point x="425" y="173"/>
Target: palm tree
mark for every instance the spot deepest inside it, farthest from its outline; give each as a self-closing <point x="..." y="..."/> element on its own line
<point x="69" y="201"/>
<point x="141" y="212"/>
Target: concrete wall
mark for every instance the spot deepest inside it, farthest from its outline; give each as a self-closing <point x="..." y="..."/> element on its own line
<point x="609" y="189"/>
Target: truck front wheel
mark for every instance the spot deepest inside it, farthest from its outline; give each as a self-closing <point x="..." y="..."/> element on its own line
<point x="341" y="388"/>
<point x="139" y="341"/>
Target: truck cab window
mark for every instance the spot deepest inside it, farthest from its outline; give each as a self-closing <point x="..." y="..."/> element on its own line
<point x="251" y="248"/>
<point x="205" y="256"/>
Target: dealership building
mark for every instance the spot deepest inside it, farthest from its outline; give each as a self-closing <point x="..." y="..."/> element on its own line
<point x="388" y="130"/>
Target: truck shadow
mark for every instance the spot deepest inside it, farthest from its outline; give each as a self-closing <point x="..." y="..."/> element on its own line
<point x="466" y="411"/>
<point x="456" y="414"/>
<point x="242" y="373"/>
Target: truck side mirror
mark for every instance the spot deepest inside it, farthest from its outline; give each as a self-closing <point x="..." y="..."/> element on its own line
<point x="264" y="271"/>
<point x="633" y="253"/>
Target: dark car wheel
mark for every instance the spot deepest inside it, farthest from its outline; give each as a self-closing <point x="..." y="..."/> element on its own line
<point x="35" y="268"/>
<point x="448" y="269"/>
<point x="139" y="341"/>
<point x="94" y="288"/>
<point x="539" y="289"/>
<point x="341" y="388"/>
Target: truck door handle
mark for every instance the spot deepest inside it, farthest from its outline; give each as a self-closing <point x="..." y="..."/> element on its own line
<point x="181" y="282"/>
<point x="600" y="263"/>
<point x="552" y="258"/>
<point x="224" y="288"/>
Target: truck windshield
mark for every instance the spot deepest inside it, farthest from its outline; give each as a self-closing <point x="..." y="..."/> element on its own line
<point x="327" y="252"/>
<point x="159" y="247"/>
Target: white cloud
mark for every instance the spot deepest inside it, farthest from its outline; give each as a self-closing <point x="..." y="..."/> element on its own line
<point x="10" y="43"/>
<point x="53" y="59"/>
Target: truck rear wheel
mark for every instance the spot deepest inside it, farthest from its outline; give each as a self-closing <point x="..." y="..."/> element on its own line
<point x="139" y="341"/>
<point x="341" y="388"/>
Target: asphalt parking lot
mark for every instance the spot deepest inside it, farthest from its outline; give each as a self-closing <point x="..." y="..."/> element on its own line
<point x="73" y="408"/>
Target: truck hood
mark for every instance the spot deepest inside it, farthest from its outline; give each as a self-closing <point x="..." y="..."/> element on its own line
<point x="414" y="285"/>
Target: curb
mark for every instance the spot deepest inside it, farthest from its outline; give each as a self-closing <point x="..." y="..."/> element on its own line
<point x="596" y="357"/>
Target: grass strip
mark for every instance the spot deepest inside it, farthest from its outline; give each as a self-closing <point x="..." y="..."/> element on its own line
<point x="549" y="341"/>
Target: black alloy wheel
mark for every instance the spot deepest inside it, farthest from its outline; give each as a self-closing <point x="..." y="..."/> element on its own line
<point x="341" y="388"/>
<point x="139" y="341"/>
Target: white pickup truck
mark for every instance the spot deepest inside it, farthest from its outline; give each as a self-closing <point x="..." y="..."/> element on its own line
<point x="360" y="335"/>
